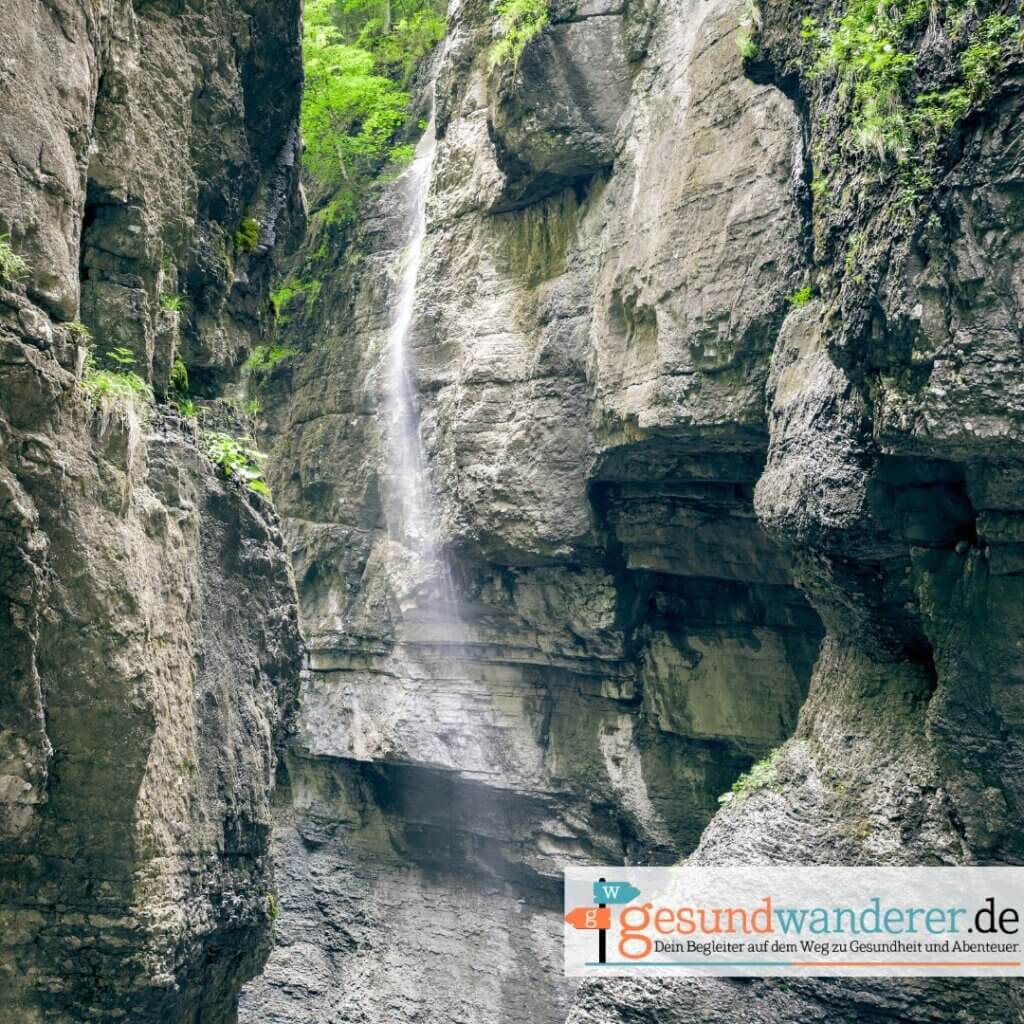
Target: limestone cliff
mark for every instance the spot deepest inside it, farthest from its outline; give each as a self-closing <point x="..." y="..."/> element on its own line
<point x="148" y="629"/>
<point x="722" y="429"/>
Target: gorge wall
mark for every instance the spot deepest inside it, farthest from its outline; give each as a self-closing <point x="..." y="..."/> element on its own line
<point x="690" y="519"/>
<point x="148" y="624"/>
<point x="611" y="235"/>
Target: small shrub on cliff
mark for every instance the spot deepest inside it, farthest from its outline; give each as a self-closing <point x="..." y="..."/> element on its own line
<point x="172" y="303"/>
<point x="761" y="776"/>
<point x="79" y="331"/>
<point x="264" y="358"/>
<point x="237" y="458"/>
<point x="521" y="21"/>
<point x="984" y="58"/>
<point x="12" y="266"/>
<point x="247" y="237"/>
<point x="115" y="388"/>
<point x="746" y="35"/>
<point x="801" y="296"/>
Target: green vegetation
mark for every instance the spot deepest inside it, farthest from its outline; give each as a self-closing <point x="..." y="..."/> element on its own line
<point x="172" y="303"/>
<point x="115" y="388"/>
<point x="984" y="58"/>
<point x="237" y="458"/>
<point x="264" y="358"/>
<point x="178" y="381"/>
<point x="359" y="57"/>
<point x="177" y="388"/>
<point x="290" y="291"/>
<point x="12" y="266"/>
<point x="745" y="43"/>
<point x="273" y="909"/>
<point x="872" y="50"/>
<point x="78" y="330"/>
<point x="761" y="776"/>
<point x="746" y="35"/>
<point x="247" y="236"/>
<point x="801" y="296"/>
<point x="521" y="21"/>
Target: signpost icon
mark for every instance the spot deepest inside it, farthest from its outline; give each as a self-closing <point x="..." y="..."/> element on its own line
<point x="599" y="918"/>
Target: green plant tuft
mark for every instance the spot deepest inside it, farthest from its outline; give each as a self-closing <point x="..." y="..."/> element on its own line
<point x="237" y="458"/>
<point x="521" y="21"/>
<point x="761" y="776"/>
<point x="13" y="267"/>
<point x="801" y="296"/>
<point x="247" y="237"/>
<point x="78" y="330"/>
<point x="178" y="381"/>
<point x="115" y="388"/>
<point x="172" y="303"/>
<point x="264" y="358"/>
<point x="186" y="407"/>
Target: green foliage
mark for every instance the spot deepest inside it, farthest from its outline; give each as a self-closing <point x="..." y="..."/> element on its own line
<point x="78" y="330"/>
<point x="359" y="55"/>
<point x="12" y="266"/>
<point x="761" y="776"/>
<point x="984" y="58"/>
<point x="264" y="358"/>
<point x="273" y="909"/>
<point x="745" y="44"/>
<point x="801" y="296"/>
<point x="172" y="303"/>
<point x="252" y="407"/>
<point x="872" y="50"/>
<point x="186" y="407"/>
<point x="291" y="290"/>
<point x="521" y="21"/>
<point x="120" y="358"/>
<point x="247" y="236"/>
<point x="115" y="388"/>
<point x="178" y="381"/>
<point x="864" y="50"/>
<point x="237" y="458"/>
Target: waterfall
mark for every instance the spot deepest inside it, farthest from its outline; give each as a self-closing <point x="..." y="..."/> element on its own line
<point x="427" y="592"/>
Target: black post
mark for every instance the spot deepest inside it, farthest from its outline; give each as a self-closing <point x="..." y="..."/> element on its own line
<point x="602" y="948"/>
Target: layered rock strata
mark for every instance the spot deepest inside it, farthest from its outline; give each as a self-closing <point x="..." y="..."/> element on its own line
<point x="148" y="622"/>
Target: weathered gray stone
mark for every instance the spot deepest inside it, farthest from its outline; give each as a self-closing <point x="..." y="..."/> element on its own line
<point x="148" y="627"/>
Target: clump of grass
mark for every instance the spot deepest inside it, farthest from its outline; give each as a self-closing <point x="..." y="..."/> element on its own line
<point x="172" y="303"/>
<point x="78" y="330"/>
<point x="237" y="458"/>
<point x="761" y="776"/>
<point x="291" y="290"/>
<point x="521" y="21"/>
<point x="264" y="358"/>
<point x="115" y="388"/>
<point x="982" y="61"/>
<point x="746" y="35"/>
<point x="801" y="296"/>
<point x="247" y="237"/>
<point x="13" y="267"/>
<point x="186" y="408"/>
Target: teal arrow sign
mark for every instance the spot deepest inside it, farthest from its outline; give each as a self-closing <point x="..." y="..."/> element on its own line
<point x="614" y="892"/>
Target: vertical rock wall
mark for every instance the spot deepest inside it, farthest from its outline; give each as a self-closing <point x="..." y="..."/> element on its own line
<point x="612" y="231"/>
<point x="148" y="629"/>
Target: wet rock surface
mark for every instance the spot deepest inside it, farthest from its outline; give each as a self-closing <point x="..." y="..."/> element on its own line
<point x="591" y="342"/>
<point x="147" y="611"/>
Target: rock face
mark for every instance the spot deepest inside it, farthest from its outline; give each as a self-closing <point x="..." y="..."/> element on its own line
<point x="609" y="246"/>
<point x="147" y="622"/>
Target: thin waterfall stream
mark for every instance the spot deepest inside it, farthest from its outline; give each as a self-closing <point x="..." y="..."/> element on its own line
<point x="413" y="512"/>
